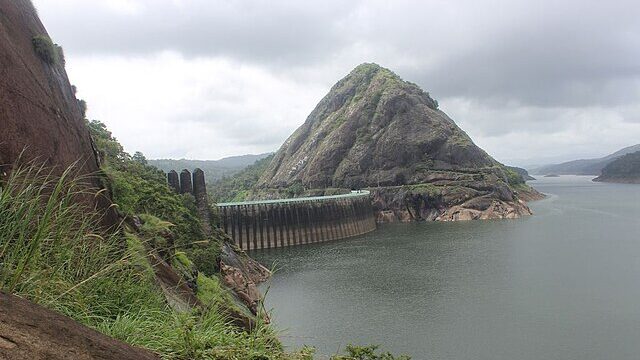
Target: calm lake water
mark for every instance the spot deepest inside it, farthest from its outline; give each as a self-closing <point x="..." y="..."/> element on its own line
<point x="562" y="284"/>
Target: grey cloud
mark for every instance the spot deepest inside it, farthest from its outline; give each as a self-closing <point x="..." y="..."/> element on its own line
<point x="269" y="31"/>
<point x="500" y="68"/>
<point x="543" y="53"/>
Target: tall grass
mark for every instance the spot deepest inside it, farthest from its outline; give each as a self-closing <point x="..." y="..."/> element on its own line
<point x="46" y="230"/>
<point x="53" y="252"/>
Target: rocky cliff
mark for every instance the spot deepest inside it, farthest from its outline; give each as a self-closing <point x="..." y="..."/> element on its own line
<point x="374" y="130"/>
<point x="38" y="109"/>
<point x="40" y="116"/>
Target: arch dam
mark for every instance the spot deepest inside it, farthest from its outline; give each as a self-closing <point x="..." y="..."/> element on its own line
<point x="283" y="222"/>
<point x="297" y="221"/>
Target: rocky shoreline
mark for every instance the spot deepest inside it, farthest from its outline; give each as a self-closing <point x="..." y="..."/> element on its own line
<point x="428" y="203"/>
<point x="617" y="180"/>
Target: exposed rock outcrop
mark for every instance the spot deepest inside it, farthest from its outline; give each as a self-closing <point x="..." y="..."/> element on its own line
<point x="242" y="274"/>
<point x="30" y="332"/>
<point x="374" y="130"/>
<point x="40" y="116"/>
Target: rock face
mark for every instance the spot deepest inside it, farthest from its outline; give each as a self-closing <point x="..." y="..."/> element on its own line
<point x="377" y="131"/>
<point x="29" y="331"/>
<point x="242" y="274"/>
<point x="40" y="116"/>
<point x="625" y="169"/>
<point x="38" y="109"/>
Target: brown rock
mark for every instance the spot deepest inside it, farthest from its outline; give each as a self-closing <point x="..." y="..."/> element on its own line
<point x="242" y="274"/>
<point x="31" y="332"/>
<point x="40" y="116"/>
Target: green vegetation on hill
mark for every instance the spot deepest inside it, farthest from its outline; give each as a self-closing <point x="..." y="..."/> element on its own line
<point x="213" y="169"/>
<point x="522" y="172"/>
<point x="584" y="166"/>
<point x="239" y="185"/>
<point x="53" y="252"/>
<point x="138" y="188"/>
<point x="49" y="52"/>
<point x="624" y="169"/>
<point x="513" y="176"/>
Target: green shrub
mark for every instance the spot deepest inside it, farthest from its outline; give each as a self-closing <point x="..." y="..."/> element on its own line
<point x="367" y="353"/>
<point x="49" y="52"/>
<point x="138" y="188"/>
<point x="512" y="177"/>
<point x="295" y="190"/>
<point x="239" y="186"/>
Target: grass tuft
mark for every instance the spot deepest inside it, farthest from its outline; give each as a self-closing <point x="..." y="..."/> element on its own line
<point x="49" y="52"/>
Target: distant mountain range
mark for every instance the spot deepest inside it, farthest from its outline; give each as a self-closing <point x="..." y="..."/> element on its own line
<point x="213" y="169"/>
<point x="583" y="166"/>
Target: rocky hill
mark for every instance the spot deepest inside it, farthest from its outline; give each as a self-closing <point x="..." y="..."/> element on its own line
<point x="374" y="130"/>
<point x="625" y="169"/>
<point x="584" y="166"/>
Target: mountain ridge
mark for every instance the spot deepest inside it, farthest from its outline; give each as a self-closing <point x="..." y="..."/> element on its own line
<point x="624" y="169"/>
<point x="583" y="166"/>
<point x="214" y="169"/>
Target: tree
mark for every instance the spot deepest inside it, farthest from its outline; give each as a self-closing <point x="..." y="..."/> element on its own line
<point x="139" y="157"/>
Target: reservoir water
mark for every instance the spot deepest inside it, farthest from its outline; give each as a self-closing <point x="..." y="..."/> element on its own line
<point x="562" y="284"/>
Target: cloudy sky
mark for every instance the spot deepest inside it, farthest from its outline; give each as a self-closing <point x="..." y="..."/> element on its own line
<point x="530" y="81"/>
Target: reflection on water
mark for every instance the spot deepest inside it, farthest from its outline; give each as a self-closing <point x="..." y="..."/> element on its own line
<point x="562" y="284"/>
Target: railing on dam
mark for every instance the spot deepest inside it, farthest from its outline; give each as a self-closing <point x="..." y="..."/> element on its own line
<point x="297" y="221"/>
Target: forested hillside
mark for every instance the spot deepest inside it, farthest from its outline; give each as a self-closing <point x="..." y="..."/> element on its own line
<point x="625" y="169"/>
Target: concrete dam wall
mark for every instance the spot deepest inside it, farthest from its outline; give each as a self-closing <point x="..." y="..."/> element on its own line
<point x="297" y="221"/>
